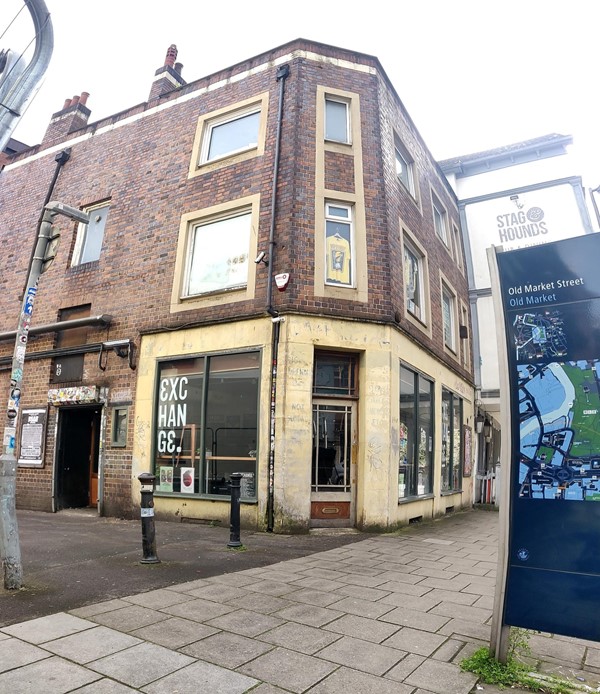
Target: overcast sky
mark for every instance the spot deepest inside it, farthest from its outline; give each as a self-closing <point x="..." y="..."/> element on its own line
<point x="473" y="74"/>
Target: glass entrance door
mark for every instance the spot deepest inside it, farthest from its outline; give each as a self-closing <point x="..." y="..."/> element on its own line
<point x="333" y="464"/>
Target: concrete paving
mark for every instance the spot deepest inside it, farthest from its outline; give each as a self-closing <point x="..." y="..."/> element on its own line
<point x="384" y="614"/>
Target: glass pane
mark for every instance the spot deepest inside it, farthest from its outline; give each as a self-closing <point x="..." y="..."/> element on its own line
<point x="456" y="442"/>
<point x="448" y="323"/>
<point x="425" y="443"/>
<point x="219" y="255"/>
<point x="338" y="248"/>
<point x="93" y="235"/>
<point x="403" y="170"/>
<point x="336" y="121"/>
<point x="231" y="422"/>
<point x="233" y="136"/>
<point x="412" y="268"/>
<point x="408" y="414"/>
<point x="446" y="440"/>
<point x="331" y="448"/>
<point x="178" y="422"/>
<point x="334" y="374"/>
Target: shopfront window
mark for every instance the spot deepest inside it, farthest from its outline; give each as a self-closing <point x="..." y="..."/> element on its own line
<point x="452" y="415"/>
<point x="206" y="419"/>
<point x="416" y="434"/>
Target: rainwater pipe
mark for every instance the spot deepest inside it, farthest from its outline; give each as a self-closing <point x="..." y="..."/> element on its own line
<point x="282" y="73"/>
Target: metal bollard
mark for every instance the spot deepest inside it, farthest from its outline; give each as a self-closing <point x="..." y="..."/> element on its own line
<point x="234" y="518"/>
<point x="148" y="480"/>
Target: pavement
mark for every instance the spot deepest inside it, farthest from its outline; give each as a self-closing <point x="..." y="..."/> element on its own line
<point x="324" y="613"/>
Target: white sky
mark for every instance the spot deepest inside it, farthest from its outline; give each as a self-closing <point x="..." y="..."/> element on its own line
<point x="473" y="74"/>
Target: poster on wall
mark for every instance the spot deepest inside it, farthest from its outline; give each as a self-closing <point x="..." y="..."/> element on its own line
<point x="551" y="304"/>
<point x="33" y="436"/>
<point x="468" y="451"/>
<point x="165" y="480"/>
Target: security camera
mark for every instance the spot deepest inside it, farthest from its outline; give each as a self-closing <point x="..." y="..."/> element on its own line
<point x="260" y="257"/>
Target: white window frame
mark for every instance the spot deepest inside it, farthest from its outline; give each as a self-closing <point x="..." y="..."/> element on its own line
<point x="348" y="221"/>
<point x="344" y="102"/>
<point x="440" y="220"/>
<point x="83" y="234"/>
<point x="224" y="120"/>
<point x="407" y="165"/>
<point x="242" y="258"/>
<point x="417" y="308"/>
<point x="449" y="317"/>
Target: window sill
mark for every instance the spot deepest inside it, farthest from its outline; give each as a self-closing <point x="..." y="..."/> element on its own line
<point x="410" y="499"/>
<point x="83" y="267"/>
<point x="451" y="492"/>
<point x="202" y="497"/>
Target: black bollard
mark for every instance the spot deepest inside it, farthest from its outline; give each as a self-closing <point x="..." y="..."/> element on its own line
<point x="147" y="480"/>
<point x="234" y="518"/>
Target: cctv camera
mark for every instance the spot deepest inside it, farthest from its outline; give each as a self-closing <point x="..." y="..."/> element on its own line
<point x="260" y="257"/>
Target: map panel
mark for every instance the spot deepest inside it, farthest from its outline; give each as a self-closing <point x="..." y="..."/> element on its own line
<point x="559" y="421"/>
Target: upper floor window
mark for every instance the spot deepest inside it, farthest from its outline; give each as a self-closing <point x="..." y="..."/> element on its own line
<point x="338" y="244"/>
<point x="414" y="281"/>
<point x="405" y="169"/>
<point x="88" y="243"/>
<point x="337" y="120"/>
<point x="449" y="317"/>
<point x="440" y="220"/>
<point x="218" y="254"/>
<point x="230" y="135"/>
<point x="458" y="250"/>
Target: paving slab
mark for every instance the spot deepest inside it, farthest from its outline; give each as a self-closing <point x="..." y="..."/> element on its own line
<point x="174" y="632"/>
<point x="362" y="628"/>
<point x="246" y="622"/>
<point x="91" y="644"/>
<point x="442" y="678"/>
<point x="15" y="653"/>
<point x="300" y="637"/>
<point x="227" y="649"/>
<point x="48" y="628"/>
<point x="58" y="676"/>
<point x="308" y="614"/>
<point x="129" y="618"/>
<point x="295" y="672"/>
<point x="346" y="680"/>
<point x="362" y="655"/>
<point x="415" y="641"/>
<point x="141" y="664"/>
<point x="105" y="686"/>
<point x="202" y="677"/>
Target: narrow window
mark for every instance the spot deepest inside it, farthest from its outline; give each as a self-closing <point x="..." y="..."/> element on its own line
<point x="69" y="367"/>
<point x="118" y="437"/>
<point x="414" y="282"/>
<point x="337" y="120"/>
<point x="405" y="170"/>
<point x="448" y="317"/>
<point x="452" y="415"/>
<point x="339" y="245"/>
<point x="440" y="221"/>
<point x="416" y="434"/>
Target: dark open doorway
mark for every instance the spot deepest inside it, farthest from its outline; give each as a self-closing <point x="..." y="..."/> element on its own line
<point x="76" y="467"/>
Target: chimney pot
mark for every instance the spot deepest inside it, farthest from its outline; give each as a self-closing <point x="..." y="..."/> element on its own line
<point x="75" y="100"/>
<point x="83" y="98"/>
<point x="66" y="104"/>
<point x="171" y="55"/>
<point x="178" y="68"/>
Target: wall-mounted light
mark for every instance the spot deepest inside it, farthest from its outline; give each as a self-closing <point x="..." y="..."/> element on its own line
<point x="487" y="430"/>
<point x="479" y="420"/>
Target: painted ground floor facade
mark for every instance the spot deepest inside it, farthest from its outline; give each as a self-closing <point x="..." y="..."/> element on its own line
<point x="352" y="425"/>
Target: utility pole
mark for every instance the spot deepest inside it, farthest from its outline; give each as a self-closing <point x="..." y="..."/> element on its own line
<point x="18" y="84"/>
<point x="44" y="254"/>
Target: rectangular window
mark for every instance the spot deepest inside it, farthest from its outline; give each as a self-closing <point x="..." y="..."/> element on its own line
<point x="404" y="169"/>
<point x="458" y="251"/>
<point x="206" y="424"/>
<point x="335" y="375"/>
<point x="452" y="415"/>
<point x="464" y="322"/>
<point x="88" y="243"/>
<point x="416" y="434"/>
<point x="440" y="221"/>
<point x="414" y="282"/>
<point x="227" y="136"/>
<point x="337" y="120"/>
<point x="338" y="245"/>
<point x="118" y="436"/>
<point x="218" y="255"/>
<point x="449" y="318"/>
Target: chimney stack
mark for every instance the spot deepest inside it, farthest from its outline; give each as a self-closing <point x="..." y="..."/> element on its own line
<point x="168" y="77"/>
<point x="72" y="116"/>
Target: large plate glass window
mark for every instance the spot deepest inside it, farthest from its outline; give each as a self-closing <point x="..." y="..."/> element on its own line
<point x="206" y="424"/>
<point x="339" y="243"/>
<point x="416" y="434"/>
<point x="337" y="120"/>
<point x="225" y="137"/>
<point x="88" y="243"/>
<point x="452" y="416"/>
<point x="218" y="254"/>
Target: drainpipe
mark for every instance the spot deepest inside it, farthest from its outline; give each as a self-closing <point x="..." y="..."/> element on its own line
<point x="282" y="73"/>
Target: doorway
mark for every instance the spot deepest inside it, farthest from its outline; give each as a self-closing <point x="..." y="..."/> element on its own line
<point x="76" y="464"/>
<point x="333" y="483"/>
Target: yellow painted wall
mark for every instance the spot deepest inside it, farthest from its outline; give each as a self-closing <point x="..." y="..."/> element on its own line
<point x="380" y="348"/>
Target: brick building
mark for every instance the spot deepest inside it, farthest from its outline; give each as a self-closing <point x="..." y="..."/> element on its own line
<point x="272" y="282"/>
